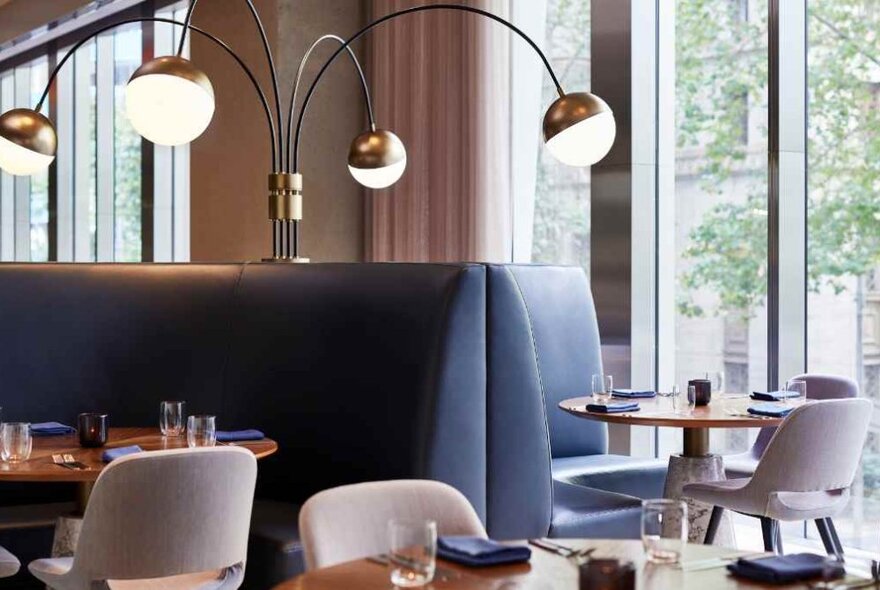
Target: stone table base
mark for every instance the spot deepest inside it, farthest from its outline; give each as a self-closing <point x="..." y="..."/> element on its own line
<point x="67" y="530"/>
<point x="685" y="470"/>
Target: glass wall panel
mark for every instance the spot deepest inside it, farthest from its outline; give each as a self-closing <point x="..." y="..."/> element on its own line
<point x="720" y="201"/>
<point x="843" y="305"/>
<point x="39" y="187"/>
<point x="127" y="153"/>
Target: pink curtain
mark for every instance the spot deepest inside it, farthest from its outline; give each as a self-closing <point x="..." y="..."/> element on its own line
<point x="441" y="81"/>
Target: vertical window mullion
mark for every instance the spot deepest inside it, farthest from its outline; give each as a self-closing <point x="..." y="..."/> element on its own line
<point x="105" y="150"/>
<point x="180" y="172"/>
<point x="83" y="66"/>
<point x="22" y="206"/>
<point x="63" y="108"/>
<point x="163" y="164"/>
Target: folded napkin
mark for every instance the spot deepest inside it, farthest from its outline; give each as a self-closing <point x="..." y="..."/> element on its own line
<point x="785" y="569"/>
<point x="632" y="393"/>
<point x="239" y="435"/>
<point x="477" y="552"/>
<point x="769" y="410"/>
<point x="614" y="407"/>
<point x="51" y="429"/>
<point x="773" y="396"/>
<point x="112" y="454"/>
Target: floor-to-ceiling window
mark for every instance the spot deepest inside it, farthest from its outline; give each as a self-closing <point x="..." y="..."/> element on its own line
<point x="98" y="202"/>
<point x="843" y="305"/>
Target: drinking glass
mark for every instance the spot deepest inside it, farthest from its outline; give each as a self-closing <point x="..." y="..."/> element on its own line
<point x="413" y="552"/>
<point x="664" y="530"/>
<point x="799" y="386"/>
<point x="15" y="441"/>
<point x="602" y="386"/>
<point x="171" y="421"/>
<point x="684" y="404"/>
<point x="201" y="431"/>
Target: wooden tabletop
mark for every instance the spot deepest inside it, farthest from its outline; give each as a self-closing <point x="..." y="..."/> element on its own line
<point x="545" y="571"/>
<point x="40" y="468"/>
<point x="725" y="411"/>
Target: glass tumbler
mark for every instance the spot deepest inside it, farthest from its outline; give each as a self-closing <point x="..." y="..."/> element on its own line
<point x="799" y="386"/>
<point x="201" y="431"/>
<point x="602" y="386"/>
<point x="413" y="552"/>
<point x="15" y="441"/>
<point x="664" y="530"/>
<point x="171" y="418"/>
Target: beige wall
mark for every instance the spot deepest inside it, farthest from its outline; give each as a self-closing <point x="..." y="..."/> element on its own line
<point x="231" y="160"/>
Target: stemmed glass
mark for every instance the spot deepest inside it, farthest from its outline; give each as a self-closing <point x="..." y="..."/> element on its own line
<point x="602" y="386"/>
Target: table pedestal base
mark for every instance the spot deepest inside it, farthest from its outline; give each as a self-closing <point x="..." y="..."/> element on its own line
<point x="67" y="529"/>
<point x="684" y="470"/>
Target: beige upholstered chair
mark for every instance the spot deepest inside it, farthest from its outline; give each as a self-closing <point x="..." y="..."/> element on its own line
<point x="805" y="472"/>
<point x="9" y="564"/>
<point x="350" y="522"/>
<point x="819" y="386"/>
<point x="181" y="515"/>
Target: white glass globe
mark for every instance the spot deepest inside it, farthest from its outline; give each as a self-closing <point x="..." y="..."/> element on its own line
<point x="21" y="161"/>
<point x="586" y="142"/>
<point x="379" y="177"/>
<point x="168" y="109"/>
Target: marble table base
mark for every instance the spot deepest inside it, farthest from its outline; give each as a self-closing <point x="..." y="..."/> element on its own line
<point x="67" y="530"/>
<point x="684" y="470"/>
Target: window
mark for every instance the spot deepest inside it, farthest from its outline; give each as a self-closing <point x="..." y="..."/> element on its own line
<point x="552" y="200"/>
<point x="99" y="201"/>
<point x="721" y="199"/>
<point x="843" y="207"/>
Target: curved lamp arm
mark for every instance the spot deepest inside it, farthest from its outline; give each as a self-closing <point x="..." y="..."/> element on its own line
<point x="299" y="73"/>
<point x="273" y="72"/>
<point x="393" y="15"/>
<point x="275" y="160"/>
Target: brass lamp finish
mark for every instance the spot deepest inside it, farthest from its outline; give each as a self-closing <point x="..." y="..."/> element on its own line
<point x="285" y="213"/>
<point x="571" y="109"/>
<point x="172" y="65"/>
<point x="30" y="130"/>
<point x="376" y="148"/>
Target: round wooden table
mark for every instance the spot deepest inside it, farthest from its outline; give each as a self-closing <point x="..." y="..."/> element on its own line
<point x="703" y="567"/>
<point x="696" y="462"/>
<point x="40" y="468"/>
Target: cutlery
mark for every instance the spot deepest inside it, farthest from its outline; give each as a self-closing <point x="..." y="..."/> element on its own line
<point x="553" y="547"/>
<point x="715" y="562"/>
<point x="59" y="460"/>
<point x="70" y="460"/>
<point x="844" y="585"/>
<point x="747" y="415"/>
<point x="441" y="573"/>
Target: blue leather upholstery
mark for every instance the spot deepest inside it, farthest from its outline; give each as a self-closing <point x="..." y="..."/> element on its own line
<point x="587" y="512"/>
<point x="635" y="476"/>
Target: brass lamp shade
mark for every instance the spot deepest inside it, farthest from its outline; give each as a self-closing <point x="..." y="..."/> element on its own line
<point x="27" y="142"/>
<point x="377" y="158"/>
<point x="579" y="129"/>
<point x="169" y="100"/>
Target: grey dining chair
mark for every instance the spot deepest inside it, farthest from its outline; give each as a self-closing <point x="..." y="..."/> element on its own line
<point x="169" y="519"/>
<point x="819" y="386"/>
<point x="9" y="564"/>
<point x="350" y="522"/>
<point x="805" y="473"/>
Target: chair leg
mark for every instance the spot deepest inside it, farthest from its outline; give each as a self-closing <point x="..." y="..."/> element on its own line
<point x="825" y="535"/>
<point x="772" y="536"/>
<point x="714" y="521"/>
<point x="832" y="532"/>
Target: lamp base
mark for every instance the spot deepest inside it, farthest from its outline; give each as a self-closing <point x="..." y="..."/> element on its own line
<point x="295" y="260"/>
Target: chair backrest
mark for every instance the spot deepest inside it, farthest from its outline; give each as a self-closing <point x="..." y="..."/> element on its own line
<point x="164" y="513"/>
<point x="817" y="448"/>
<point x="819" y="386"/>
<point x="350" y="522"/>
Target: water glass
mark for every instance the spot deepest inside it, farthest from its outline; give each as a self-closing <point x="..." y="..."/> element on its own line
<point x="684" y="404"/>
<point x="15" y="441"/>
<point x="798" y="386"/>
<point x="201" y="431"/>
<point x="602" y="386"/>
<point x="171" y="421"/>
<point x="413" y="552"/>
<point x="664" y="530"/>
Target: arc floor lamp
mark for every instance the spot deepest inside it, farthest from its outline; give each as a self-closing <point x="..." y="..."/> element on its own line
<point x="171" y="102"/>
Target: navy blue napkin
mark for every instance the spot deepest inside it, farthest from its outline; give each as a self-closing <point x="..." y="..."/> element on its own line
<point x="769" y="410"/>
<point x="773" y="396"/>
<point x="239" y="435"/>
<point x="785" y="569"/>
<point x="633" y="393"/>
<point x="112" y="454"/>
<point x="613" y="407"/>
<point x="51" y="429"/>
<point x="478" y="552"/>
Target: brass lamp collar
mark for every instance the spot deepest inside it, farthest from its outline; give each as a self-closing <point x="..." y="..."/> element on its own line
<point x="571" y="109"/>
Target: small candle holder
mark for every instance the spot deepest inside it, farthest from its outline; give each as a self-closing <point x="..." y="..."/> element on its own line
<point x="607" y="574"/>
<point x="92" y="430"/>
